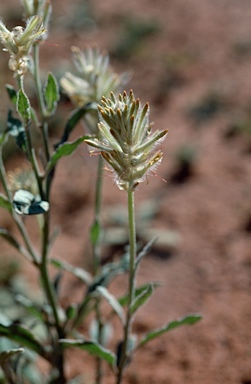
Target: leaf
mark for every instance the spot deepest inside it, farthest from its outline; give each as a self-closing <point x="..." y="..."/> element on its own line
<point x="23" y="106"/>
<point x="145" y="250"/>
<point x="109" y="271"/>
<point x="22" y="336"/>
<point x="80" y="273"/>
<point x="113" y="302"/>
<point x="11" y="239"/>
<point x="165" y="238"/>
<point x="4" y="203"/>
<point x="187" y="320"/>
<point x="93" y="348"/>
<point x="73" y="120"/>
<point x="124" y="299"/>
<point x="142" y="298"/>
<point x="51" y="94"/>
<point x="95" y="232"/>
<point x="65" y="149"/>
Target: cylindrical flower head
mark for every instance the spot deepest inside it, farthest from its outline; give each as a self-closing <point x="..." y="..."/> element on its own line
<point x="127" y="142"/>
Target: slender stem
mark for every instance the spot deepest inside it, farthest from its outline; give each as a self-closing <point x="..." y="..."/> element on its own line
<point x="128" y="324"/>
<point x="99" y="362"/>
<point x="37" y="79"/>
<point x="97" y="262"/>
<point x="47" y="284"/>
<point x="98" y="199"/>
<point x="132" y="243"/>
<point x="51" y="297"/>
<point x="44" y="273"/>
<point x="45" y="240"/>
<point x="20" y="81"/>
<point x="44" y="124"/>
<point x="31" y="153"/>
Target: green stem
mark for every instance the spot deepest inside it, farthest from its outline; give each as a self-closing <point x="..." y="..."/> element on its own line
<point x="99" y="363"/>
<point x="97" y="261"/>
<point x="49" y="290"/>
<point x="45" y="241"/>
<point x="132" y="243"/>
<point x="51" y="297"/>
<point x="44" y="273"/>
<point x="31" y="153"/>
<point x="97" y="222"/>
<point x="37" y="79"/>
<point x="20" y="82"/>
<point x="44" y="124"/>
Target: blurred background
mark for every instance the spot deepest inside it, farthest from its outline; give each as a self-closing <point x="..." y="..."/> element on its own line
<point x="191" y="60"/>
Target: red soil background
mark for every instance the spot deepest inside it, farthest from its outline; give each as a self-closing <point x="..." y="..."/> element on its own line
<point x="195" y="71"/>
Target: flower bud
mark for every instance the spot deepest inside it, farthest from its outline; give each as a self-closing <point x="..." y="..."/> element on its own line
<point x="19" y="41"/>
<point x="41" y="8"/>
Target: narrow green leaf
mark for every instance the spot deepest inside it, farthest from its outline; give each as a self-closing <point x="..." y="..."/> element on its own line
<point x="95" y="232"/>
<point x="124" y="299"/>
<point x="187" y="320"/>
<point x="65" y="149"/>
<point x="145" y="251"/>
<point x="51" y="94"/>
<point x="142" y="298"/>
<point x="80" y="273"/>
<point x="23" y="106"/>
<point x="109" y="271"/>
<point x="11" y="239"/>
<point x="73" y="120"/>
<point x="4" y="203"/>
<point x="22" y="336"/>
<point x="93" y="348"/>
<point x="113" y="302"/>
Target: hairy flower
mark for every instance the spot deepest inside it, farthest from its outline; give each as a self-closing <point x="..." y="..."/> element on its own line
<point x="95" y="79"/>
<point x="19" y="41"/>
<point x="41" y="8"/>
<point x="127" y="142"/>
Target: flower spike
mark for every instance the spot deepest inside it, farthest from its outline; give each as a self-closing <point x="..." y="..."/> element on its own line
<point x="126" y="141"/>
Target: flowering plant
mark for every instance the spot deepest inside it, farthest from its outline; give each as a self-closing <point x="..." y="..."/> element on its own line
<point x="118" y="127"/>
<point x="126" y="141"/>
